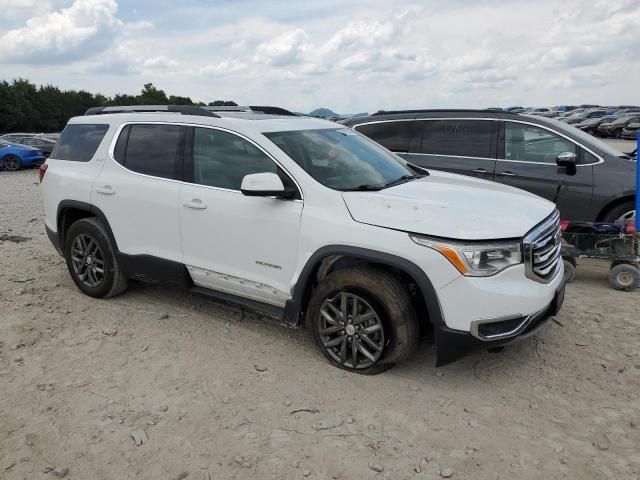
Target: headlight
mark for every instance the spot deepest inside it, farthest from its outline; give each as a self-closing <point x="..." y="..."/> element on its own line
<point x="475" y="259"/>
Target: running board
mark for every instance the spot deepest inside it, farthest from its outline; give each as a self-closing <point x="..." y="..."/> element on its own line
<point x="271" y="310"/>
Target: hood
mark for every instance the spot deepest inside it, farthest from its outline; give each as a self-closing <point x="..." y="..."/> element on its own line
<point x="451" y="206"/>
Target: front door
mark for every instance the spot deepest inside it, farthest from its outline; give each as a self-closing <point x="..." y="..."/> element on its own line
<point x="527" y="160"/>
<point x="232" y="243"/>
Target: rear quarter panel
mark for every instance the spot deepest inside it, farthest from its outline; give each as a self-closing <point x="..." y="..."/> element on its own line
<point x="612" y="180"/>
<point x="68" y="180"/>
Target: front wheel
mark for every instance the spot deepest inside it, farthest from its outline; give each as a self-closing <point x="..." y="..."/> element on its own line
<point x="91" y="259"/>
<point x="11" y="163"/>
<point x="363" y="320"/>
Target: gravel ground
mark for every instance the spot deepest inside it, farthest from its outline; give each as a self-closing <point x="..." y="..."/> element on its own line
<point x="159" y="384"/>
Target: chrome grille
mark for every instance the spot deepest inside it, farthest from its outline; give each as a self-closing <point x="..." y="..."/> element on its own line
<point x="542" y="247"/>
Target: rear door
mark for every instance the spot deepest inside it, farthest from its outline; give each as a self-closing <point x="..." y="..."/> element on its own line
<point x="463" y="146"/>
<point x="527" y="160"/>
<point x="138" y="190"/>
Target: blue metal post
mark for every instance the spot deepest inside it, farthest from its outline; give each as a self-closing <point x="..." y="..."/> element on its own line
<point x="638" y="184"/>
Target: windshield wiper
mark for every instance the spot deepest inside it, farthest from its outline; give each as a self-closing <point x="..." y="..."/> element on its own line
<point x="373" y="188"/>
<point x="365" y="187"/>
<point x="402" y="179"/>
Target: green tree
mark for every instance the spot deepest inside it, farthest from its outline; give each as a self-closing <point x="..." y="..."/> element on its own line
<point x="26" y="107"/>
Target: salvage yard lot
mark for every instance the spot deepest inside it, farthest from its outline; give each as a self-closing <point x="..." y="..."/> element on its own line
<point x="210" y="390"/>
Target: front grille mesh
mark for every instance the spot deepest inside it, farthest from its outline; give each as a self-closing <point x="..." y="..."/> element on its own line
<point x="542" y="249"/>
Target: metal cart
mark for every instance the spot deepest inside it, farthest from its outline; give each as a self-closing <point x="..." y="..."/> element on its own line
<point x="623" y="250"/>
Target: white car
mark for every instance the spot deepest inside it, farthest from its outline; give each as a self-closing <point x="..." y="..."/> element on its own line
<point x="305" y="220"/>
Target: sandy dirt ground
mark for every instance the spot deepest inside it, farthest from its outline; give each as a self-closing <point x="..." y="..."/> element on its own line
<point x="159" y="384"/>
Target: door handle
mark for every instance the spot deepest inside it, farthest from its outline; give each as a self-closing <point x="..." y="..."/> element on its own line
<point x="105" y="190"/>
<point x="196" y="204"/>
<point x="479" y="170"/>
<point x="507" y="174"/>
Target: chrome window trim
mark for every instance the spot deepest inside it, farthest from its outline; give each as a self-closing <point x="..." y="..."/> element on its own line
<point x="442" y="155"/>
<point x="114" y="140"/>
<point x="575" y="142"/>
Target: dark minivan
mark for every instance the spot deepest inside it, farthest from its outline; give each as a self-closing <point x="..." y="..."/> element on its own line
<point x="585" y="177"/>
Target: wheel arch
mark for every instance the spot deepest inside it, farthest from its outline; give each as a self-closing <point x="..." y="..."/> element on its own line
<point x="326" y="258"/>
<point x="70" y="211"/>
<point x="615" y="202"/>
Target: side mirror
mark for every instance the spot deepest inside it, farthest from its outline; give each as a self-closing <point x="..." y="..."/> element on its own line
<point x="569" y="161"/>
<point x="264" y="185"/>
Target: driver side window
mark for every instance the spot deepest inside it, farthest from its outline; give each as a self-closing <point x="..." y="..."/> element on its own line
<point x="222" y="159"/>
<point x="533" y="144"/>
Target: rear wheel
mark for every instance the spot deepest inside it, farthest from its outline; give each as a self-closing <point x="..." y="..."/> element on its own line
<point x="622" y="212"/>
<point x="363" y="320"/>
<point x="91" y="259"/>
<point x="11" y="163"/>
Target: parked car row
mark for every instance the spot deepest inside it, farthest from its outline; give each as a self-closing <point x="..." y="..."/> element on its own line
<point x="615" y="122"/>
<point x="25" y="150"/>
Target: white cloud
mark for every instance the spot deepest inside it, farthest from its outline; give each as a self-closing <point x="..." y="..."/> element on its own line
<point x="225" y="67"/>
<point x="19" y="8"/>
<point x="361" y="34"/>
<point x="76" y="32"/>
<point x="350" y="56"/>
<point x="285" y="49"/>
<point x="160" y="63"/>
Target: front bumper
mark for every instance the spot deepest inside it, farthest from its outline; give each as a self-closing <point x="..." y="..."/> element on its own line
<point x="452" y="345"/>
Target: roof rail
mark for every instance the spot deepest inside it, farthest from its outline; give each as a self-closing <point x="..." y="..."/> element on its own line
<point x="252" y="108"/>
<point x="182" y="109"/>
<point x="272" y="110"/>
<point x="441" y="110"/>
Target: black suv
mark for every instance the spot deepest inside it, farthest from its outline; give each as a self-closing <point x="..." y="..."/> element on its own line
<point x="585" y="177"/>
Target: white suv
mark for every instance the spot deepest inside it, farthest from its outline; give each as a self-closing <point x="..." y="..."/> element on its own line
<point x="306" y="220"/>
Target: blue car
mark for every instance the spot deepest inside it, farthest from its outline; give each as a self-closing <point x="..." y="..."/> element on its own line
<point x="14" y="156"/>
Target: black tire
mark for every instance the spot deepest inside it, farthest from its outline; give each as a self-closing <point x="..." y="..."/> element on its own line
<point x="617" y="133"/>
<point x="391" y="303"/>
<point x="112" y="280"/>
<point x="11" y="163"/>
<point x="624" y="276"/>
<point x="616" y="213"/>
<point x="569" y="270"/>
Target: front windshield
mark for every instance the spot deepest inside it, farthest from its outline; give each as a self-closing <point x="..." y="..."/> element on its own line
<point x="340" y="158"/>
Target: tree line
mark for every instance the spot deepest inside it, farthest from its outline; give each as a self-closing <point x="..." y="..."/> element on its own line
<point x="26" y="107"/>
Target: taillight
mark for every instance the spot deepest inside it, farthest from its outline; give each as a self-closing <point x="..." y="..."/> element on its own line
<point x="42" y="171"/>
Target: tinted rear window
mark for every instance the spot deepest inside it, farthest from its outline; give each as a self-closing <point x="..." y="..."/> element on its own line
<point x="466" y="138"/>
<point x="79" y="142"/>
<point x="394" y="136"/>
<point x="154" y="150"/>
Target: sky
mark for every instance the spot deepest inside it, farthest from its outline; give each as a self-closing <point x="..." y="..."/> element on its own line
<point x="350" y="56"/>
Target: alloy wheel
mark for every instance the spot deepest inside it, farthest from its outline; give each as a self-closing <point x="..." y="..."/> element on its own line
<point x="627" y="216"/>
<point x="351" y="331"/>
<point x="87" y="260"/>
<point x="11" y="163"/>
